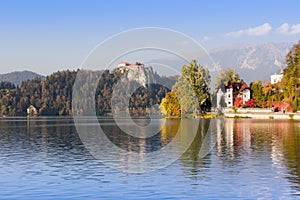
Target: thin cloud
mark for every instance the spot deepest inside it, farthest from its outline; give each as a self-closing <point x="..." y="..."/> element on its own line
<point x="263" y="29"/>
<point x="183" y="43"/>
<point x="205" y="39"/>
<point x="289" y="29"/>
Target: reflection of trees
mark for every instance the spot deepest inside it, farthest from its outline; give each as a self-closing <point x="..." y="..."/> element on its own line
<point x="191" y="162"/>
<point x="282" y="139"/>
<point x="190" y="158"/>
<point x="192" y="152"/>
<point x="291" y="149"/>
<point x="246" y="139"/>
<point x="169" y="130"/>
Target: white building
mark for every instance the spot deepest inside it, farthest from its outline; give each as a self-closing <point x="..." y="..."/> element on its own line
<point x="276" y="78"/>
<point x="125" y="66"/>
<point x="32" y="111"/>
<point x="234" y="90"/>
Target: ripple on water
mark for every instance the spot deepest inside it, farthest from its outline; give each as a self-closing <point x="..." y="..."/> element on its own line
<point x="45" y="159"/>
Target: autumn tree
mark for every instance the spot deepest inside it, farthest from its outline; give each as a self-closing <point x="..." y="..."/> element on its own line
<point x="192" y="90"/>
<point x="257" y="93"/>
<point x="170" y="105"/>
<point x="291" y="77"/>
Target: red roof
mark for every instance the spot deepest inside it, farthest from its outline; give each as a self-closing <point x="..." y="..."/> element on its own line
<point x="130" y="64"/>
<point x="124" y="63"/>
<point x="237" y="86"/>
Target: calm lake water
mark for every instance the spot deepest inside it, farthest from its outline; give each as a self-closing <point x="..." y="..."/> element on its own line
<point x="44" y="158"/>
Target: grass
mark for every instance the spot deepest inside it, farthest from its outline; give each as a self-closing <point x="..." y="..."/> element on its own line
<point x="241" y="117"/>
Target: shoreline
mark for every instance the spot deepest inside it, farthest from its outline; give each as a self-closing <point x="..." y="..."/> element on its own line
<point x="271" y="115"/>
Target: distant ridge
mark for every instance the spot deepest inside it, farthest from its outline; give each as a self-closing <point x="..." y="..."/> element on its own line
<point x="17" y="77"/>
<point x="252" y="61"/>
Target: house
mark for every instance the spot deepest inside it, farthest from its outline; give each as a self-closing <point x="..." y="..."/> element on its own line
<point x="276" y="78"/>
<point x="228" y="94"/>
<point x="32" y="111"/>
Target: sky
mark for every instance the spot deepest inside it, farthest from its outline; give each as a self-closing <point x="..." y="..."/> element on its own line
<point x="51" y="35"/>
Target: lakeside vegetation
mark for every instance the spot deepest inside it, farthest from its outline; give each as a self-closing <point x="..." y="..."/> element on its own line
<point x="285" y="93"/>
<point x="189" y="97"/>
<point x="52" y="96"/>
<point x="282" y="95"/>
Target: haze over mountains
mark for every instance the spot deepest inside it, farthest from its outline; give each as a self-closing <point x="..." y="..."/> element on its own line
<point x="252" y="61"/>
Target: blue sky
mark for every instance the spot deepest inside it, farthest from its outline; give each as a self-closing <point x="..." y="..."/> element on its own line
<point x="46" y="36"/>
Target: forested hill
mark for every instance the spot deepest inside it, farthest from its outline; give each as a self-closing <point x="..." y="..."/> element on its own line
<point x="17" y="77"/>
<point x="52" y="96"/>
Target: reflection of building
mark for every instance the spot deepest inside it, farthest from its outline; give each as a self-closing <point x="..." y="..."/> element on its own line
<point x="276" y="78"/>
<point x="243" y="134"/>
<point x="235" y="138"/>
<point x="225" y="139"/>
<point x="233" y="91"/>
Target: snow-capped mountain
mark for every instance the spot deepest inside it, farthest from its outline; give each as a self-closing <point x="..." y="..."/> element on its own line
<point x="252" y="61"/>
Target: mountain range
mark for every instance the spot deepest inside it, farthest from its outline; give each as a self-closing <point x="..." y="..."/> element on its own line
<point x="252" y="61"/>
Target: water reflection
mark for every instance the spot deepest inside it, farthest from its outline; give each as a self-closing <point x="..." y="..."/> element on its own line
<point x="274" y="141"/>
<point x="259" y="158"/>
<point x="193" y="165"/>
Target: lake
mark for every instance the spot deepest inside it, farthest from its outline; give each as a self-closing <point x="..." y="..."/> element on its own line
<point x="45" y="158"/>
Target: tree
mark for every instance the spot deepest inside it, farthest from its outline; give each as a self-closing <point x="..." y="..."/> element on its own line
<point x="250" y="104"/>
<point x="191" y="90"/>
<point x="291" y="77"/>
<point x="187" y="98"/>
<point x="198" y="79"/>
<point x="238" y="102"/>
<point x="257" y="92"/>
<point x="226" y="76"/>
<point x="170" y="105"/>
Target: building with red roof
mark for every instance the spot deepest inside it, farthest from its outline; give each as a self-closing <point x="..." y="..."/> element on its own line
<point x="228" y="94"/>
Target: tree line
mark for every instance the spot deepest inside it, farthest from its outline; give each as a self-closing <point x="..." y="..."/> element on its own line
<point x="189" y="96"/>
<point x="52" y="96"/>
